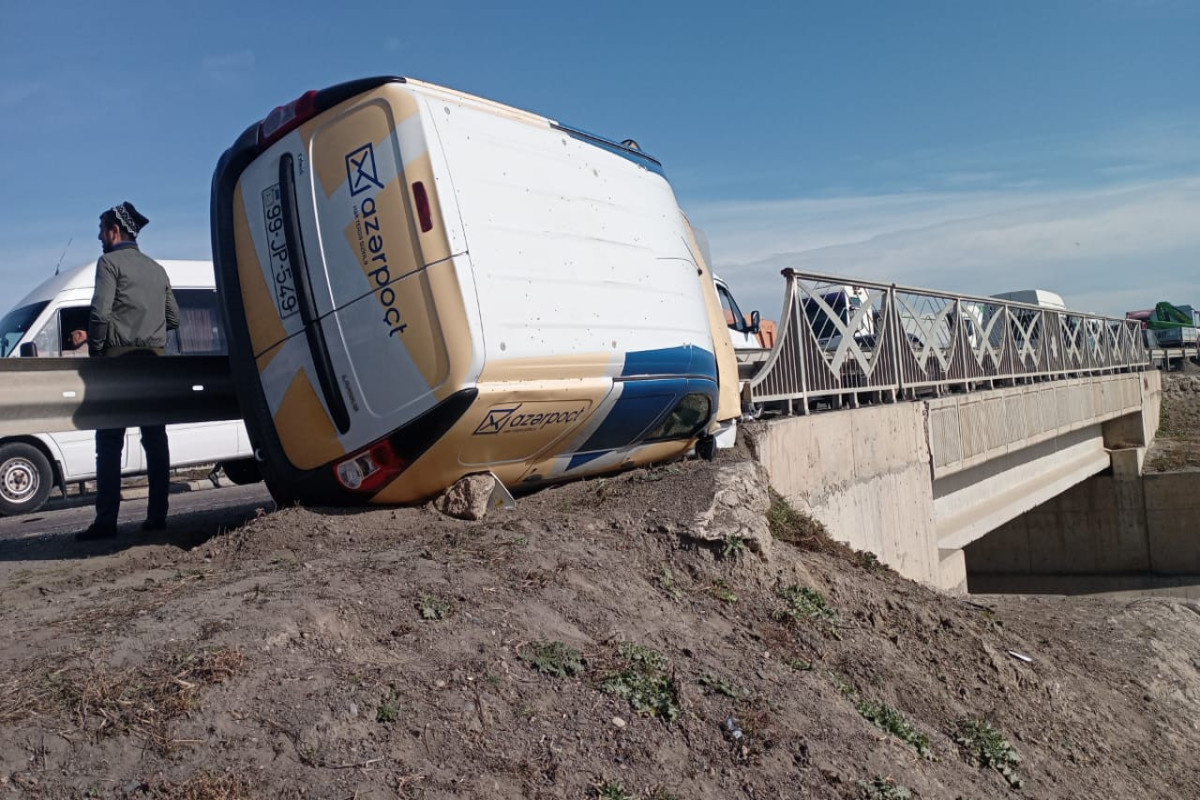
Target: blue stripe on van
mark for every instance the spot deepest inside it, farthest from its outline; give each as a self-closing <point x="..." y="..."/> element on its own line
<point x="579" y="459"/>
<point x="642" y="405"/>
<point x="687" y="360"/>
<point x="627" y="153"/>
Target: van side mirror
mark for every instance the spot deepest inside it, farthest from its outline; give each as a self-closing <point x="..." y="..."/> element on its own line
<point x="28" y="350"/>
<point x="755" y="322"/>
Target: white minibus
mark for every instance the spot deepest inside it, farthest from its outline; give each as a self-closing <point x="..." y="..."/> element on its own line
<point x="41" y="325"/>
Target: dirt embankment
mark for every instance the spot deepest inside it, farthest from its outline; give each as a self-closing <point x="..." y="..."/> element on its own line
<point x="1177" y="446"/>
<point x="581" y="645"/>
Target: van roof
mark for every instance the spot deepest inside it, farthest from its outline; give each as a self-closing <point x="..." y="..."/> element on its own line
<point x="182" y="274"/>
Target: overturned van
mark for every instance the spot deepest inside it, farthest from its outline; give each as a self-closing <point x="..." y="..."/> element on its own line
<point x="419" y="284"/>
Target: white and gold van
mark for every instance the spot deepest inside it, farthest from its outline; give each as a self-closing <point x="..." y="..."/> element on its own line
<point x="419" y="284"/>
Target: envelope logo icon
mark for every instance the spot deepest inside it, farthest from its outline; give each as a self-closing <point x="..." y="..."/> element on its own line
<point x="495" y="420"/>
<point x="361" y="171"/>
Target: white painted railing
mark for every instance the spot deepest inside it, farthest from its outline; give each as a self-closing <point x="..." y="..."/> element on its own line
<point x="846" y="340"/>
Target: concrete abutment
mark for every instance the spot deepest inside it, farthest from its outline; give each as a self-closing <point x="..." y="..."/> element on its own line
<point x="916" y="483"/>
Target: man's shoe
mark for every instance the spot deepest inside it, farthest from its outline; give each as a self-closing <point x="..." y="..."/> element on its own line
<point x="95" y="532"/>
<point x="154" y="525"/>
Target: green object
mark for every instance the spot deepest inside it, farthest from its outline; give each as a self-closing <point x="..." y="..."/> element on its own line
<point x="1167" y="316"/>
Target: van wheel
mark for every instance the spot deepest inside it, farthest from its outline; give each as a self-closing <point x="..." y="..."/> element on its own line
<point x="25" y="478"/>
<point x="243" y="471"/>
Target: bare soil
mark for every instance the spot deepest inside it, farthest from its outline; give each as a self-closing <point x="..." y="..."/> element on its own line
<point x="398" y="653"/>
<point x="1177" y="446"/>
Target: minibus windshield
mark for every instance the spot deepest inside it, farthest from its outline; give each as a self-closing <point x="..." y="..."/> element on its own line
<point x="15" y="325"/>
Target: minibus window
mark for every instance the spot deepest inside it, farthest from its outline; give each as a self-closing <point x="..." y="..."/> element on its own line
<point x="733" y="314"/>
<point x="15" y="325"/>
<point x="199" y="323"/>
<point x="46" y="339"/>
<point x="71" y="320"/>
<point x="685" y="418"/>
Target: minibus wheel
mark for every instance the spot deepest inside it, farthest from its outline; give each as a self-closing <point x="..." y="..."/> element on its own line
<point x="242" y="471"/>
<point x="25" y="478"/>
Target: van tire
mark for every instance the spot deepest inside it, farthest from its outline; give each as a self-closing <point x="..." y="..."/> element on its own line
<point x="242" y="471"/>
<point x="25" y="478"/>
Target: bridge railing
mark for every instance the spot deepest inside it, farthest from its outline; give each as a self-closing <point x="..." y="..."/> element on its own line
<point x="840" y="339"/>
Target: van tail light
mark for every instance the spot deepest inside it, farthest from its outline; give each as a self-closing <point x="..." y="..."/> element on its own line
<point x="369" y="470"/>
<point x="286" y="118"/>
<point x="422" y="200"/>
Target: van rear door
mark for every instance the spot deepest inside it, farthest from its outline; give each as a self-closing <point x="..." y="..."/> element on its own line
<point x="342" y="213"/>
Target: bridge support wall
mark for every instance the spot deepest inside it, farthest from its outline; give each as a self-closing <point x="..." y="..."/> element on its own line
<point x="915" y="483"/>
<point x="864" y="473"/>
<point x="1110" y="532"/>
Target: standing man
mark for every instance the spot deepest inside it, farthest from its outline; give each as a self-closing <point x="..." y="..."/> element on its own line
<point x="132" y="310"/>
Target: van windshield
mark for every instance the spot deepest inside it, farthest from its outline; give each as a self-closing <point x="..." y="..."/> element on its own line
<point x="15" y="325"/>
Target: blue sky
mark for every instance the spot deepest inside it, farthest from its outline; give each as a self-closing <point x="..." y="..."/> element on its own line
<point x="963" y="145"/>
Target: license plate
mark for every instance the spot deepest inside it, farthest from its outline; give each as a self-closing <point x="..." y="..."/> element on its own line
<point x="281" y="265"/>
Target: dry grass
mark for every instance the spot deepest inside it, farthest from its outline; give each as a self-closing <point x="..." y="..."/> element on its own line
<point x="798" y="528"/>
<point x="207" y="786"/>
<point x="96" y="700"/>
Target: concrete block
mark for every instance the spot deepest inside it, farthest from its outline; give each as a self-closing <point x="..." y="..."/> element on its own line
<point x="1127" y="462"/>
<point x="953" y="566"/>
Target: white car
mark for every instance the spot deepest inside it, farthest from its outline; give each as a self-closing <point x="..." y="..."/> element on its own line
<point x="41" y="325"/>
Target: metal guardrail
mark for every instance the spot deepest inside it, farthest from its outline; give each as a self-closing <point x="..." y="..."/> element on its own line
<point x="39" y="395"/>
<point x="840" y="339"/>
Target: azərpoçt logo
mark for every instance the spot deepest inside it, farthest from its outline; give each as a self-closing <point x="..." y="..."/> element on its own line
<point x="363" y="175"/>
<point x="505" y="419"/>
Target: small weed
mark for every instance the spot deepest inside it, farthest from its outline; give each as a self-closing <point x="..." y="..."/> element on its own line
<point x="843" y="684"/>
<point x="555" y="659"/>
<point x="644" y="683"/>
<point x="733" y="548"/>
<point x="722" y="592"/>
<point x="885" y="789"/>
<point x="892" y="721"/>
<point x="389" y="709"/>
<point x="527" y="711"/>
<point x="799" y="664"/>
<point x="868" y="561"/>
<point x="985" y="747"/>
<point x="666" y="581"/>
<point x="611" y="790"/>
<point x="807" y="605"/>
<point x="659" y="793"/>
<point x="719" y="686"/>
<point x="433" y="607"/>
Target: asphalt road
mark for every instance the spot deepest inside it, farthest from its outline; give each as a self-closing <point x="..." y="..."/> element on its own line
<point x="195" y="516"/>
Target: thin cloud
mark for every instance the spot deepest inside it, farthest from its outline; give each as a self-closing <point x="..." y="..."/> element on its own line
<point x="227" y="67"/>
<point x="1108" y="250"/>
<point x="14" y="94"/>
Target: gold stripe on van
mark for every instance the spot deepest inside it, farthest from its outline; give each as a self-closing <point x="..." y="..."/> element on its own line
<point x="394" y="104"/>
<point x="435" y="243"/>
<point x="450" y="318"/>
<point x="729" y="402"/>
<point x="543" y="368"/>
<point x="262" y="317"/>
<point x="304" y="428"/>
